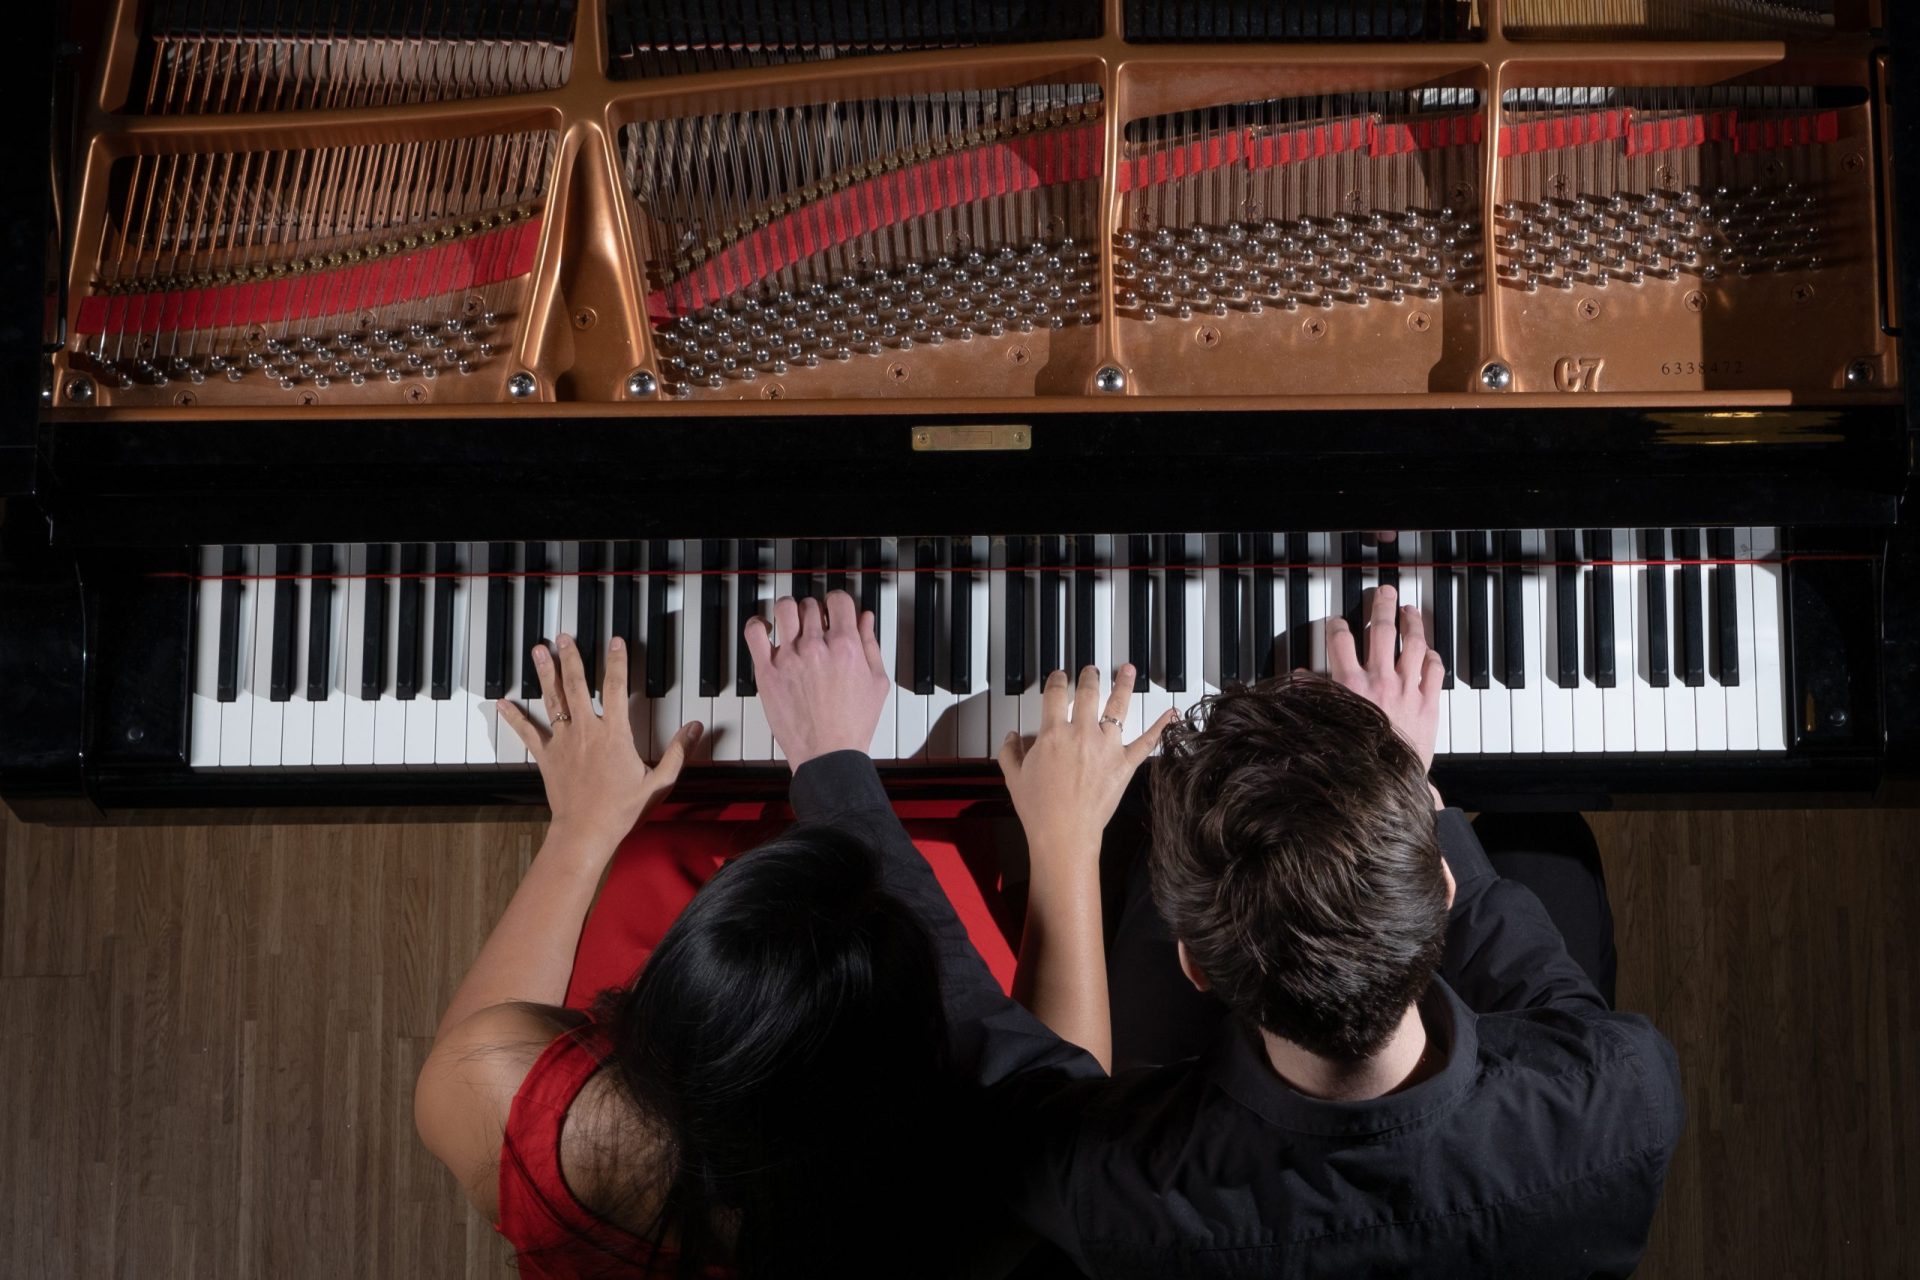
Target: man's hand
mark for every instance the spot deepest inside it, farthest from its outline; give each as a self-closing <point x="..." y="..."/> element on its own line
<point x="825" y="683"/>
<point x="1066" y="786"/>
<point x="597" y="784"/>
<point x="1408" y="690"/>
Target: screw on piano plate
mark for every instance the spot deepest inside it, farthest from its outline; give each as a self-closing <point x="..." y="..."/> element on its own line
<point x="80" y="390"/>
<point x="1496" y="376"/>
<point x="1854" y="162"/>
<point x="1419" y="322"/>
<point x="1588" y="309"/>
<point x="184" y="399"/>
<point x="254" y="335"/>
<point x="1018" y="354"/>
<point x="1803" y="293"/>
<point x="1860" y="375"/>
<point x="773" y="391"/>
<point x="897" y="371"/>
<point x="415" y="393"/>
<point x="1314" y="328"/>
<point x="584" y="318"/>
<point x="1110" y="380"/>
<point x="641" y="383"/>
<point x="521" y="385"/>
<point x="1207" y="336"/>
<point x="1696" y="301"/>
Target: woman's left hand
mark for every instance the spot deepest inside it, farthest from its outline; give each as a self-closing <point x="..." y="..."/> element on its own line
<point x="597" y="785"/>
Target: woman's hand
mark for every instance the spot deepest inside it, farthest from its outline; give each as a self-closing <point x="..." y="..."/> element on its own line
<point x="597" y="785"/>
<point x="1066" y="786"/>
<point x="1408" y="689"/>
<point x="825" y="683"/>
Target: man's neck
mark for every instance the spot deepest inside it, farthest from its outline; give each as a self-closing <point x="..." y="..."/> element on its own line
<point x="1401" y="1062"/>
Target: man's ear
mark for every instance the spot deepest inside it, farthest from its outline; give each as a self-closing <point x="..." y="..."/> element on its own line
<point x="1447" y="871"/>
<point x="1189" y="966"/>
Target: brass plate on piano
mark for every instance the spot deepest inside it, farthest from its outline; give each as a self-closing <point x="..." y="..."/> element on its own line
<point x="981" y="438"/>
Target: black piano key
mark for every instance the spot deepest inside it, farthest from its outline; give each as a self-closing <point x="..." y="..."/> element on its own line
<point x="1691" y="635"/>
<point x="445" y="565"/>
<point x="960" y="618"/>
<point x="1726" y="610"/>
<point x="233" y="563"/>
<point x="872" y="558"/>
<point x="1263" y="558"/>
<point x="748" y="594"/>
<point x="533" y="616"/>
<point x="1229" y="609"/>
<point x="320" y="625"/>
<point x="1653" y="549"/>
<point x="373" y="623"/>
<point x="1014" y="644"/>
<point x="626" y="600"/>
<point x="1566" y="605"/>
<point x="926" y="585"/>
<point x="1442" y="603"/>
<point x="1299" y="605"/>
<point x="839" y="553"/>
<point x="1352" y="588"/>
<point x="802" y="569"/>
<point x="1140" y="609"/>
<point x="1176" y="610"/>
<point x="1050" y="651"/>
<point x="659" y="634"/>
<point x="1513" y="618"/>
<point x="586" y="612"/>
<point x="499" y="603"/>
<point x="1083" y="631"/>
<point x="285" y="634"/>
<point x="713" y="617"/>
<point x="406" y="664"/>
<point x="1388" y="555"/>
<point x="1479" y="611"/>
<point x="1600" y="606"/>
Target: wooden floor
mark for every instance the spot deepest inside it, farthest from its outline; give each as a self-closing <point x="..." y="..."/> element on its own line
<point x="208" y="1038"/>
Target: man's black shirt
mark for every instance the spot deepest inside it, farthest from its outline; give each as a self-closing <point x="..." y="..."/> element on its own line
<point x="1538" y="1149"/>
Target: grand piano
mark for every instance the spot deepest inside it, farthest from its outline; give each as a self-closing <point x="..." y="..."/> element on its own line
<point x="352" y="347"/>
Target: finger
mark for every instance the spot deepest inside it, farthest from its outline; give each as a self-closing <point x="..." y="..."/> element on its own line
<point x="530" y="735"/>
<point x="1013" y="751"/>
<point x="812" y="624"/>
<point x="1053" y="700"/>
<point x="1122" y="693"/>
<point x="1433" y="676"/>
<point x="550" y="694"/>
<point x="613" y="686"/>
<point x="667" y="772"/>
<point x="870" y="641"/>
<point x="1386" y="535"/>
<point x="841" y="615"/>
<point x="1086" y="696"/>
<point x="1343" y="664"/>
<point x="1142" y="747"/>
<point x="1413" y="642"/>
<point x="786" y="620"/>
<point x="759" y="646"/>
<point x="573" y="677"/>
<point x="1386" y="603"/>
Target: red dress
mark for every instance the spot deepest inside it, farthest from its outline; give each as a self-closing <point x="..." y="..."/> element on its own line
<point x="654" y="874"/>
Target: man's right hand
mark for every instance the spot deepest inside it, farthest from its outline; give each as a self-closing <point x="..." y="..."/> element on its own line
<point x="825" y="684"/>
<point x="1408" y="689"/>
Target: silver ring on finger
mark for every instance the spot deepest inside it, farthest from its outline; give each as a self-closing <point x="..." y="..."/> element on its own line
<point x="1109" y="720"/>
<point x="562" y="718"/>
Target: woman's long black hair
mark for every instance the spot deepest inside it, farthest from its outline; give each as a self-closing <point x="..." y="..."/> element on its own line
<point x="786" y="1043"/>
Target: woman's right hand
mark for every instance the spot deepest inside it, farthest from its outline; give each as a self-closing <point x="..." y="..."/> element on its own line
<point x="825" y="683"/>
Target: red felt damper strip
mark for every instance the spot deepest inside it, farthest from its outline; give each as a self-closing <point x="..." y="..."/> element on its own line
<point x="659" y="868"/>
<point x="1270" y="150"/>
<point x="944" y="182"/>
<point x="472" y="262"/>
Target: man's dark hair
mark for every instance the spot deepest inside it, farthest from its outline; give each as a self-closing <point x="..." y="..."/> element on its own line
<point x="1294" y="854"/>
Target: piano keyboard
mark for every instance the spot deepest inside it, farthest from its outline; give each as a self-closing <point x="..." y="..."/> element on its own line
<point x="1558" y="642"/>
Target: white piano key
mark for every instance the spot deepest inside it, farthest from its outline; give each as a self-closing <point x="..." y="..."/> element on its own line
<point x="1772" y="694"/>
<point x="508" y="751"/>
<point x="1194" y="591"/>
<point x="780" y="578"/>
<point x="1120" y="630"/>
<point x="1416" y="587"/>
<point x="1463" y="700"/>
<point x="1322" y="596"/>
<point x="1617" y="703"/>
<point x="693" y="705"/>
<point x="1003" y="708"/>
<point x="567" y="587"/>
<point x="974" y="732"/>
<point x="1589" y="704"/>
<point x="1104" y="656"/>
<point x="479" y="722"/>
<point x="1211" y="589"/>
<point x="452" y="713"/>
<point x="943" y="729"/>
<point x="1032" y="700"/>
<point x="1681" y="722"/>
<point x="330" y="714"/>
<point x="665" y="714"/>
<point x="1743" y="719"/>
<point x="909" y="708"/>
<point x="603" y="636"/>
<point x="237" y="716"/>
<point x="423" y="713"/>
<point x="728" y="726"/>
<point x="206" y="713"/>
<point x="296" y="725"/>
<point x="756" y="736"/>
<point x="554" y="620"/>
<point x="358" y="714"/>
<point x="1157" y="700"/>
<point x="1649" y="702"/>
<point x="266" y="716"/>
<point x="390" y="714"/>
<point x="1540" y="709"/>
<point x="1496" y="700"/>
<point x="890" y="629"/>
<point x="1710" y="699"/>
